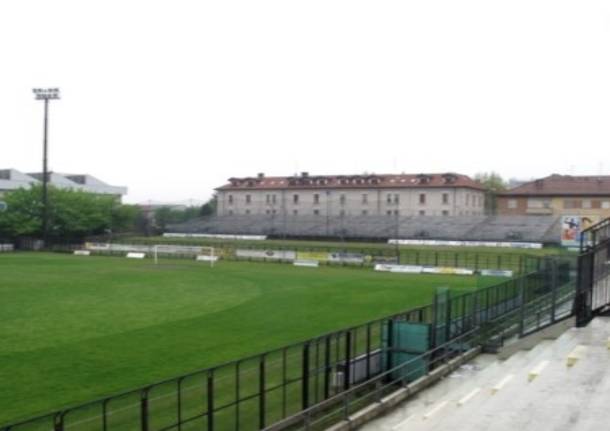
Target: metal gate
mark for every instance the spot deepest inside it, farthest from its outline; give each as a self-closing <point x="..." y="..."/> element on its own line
<point x="593" y="293"/>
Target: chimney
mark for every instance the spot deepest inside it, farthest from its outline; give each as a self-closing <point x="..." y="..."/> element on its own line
<point x="304" y="174"/>
<point x="261" y="175"/>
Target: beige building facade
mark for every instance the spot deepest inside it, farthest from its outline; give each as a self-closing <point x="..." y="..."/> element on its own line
<point x="354" y="195"/>
<point x="587" y="196"/>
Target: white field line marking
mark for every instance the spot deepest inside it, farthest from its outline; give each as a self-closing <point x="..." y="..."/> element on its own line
<point x="468" y="397"/>
<point x="501" y="384"/>
<point x="429" y="414"/>
<point x="401" y="423"/>
<point x="537" y="370"/>
<point x="172" y="394"/>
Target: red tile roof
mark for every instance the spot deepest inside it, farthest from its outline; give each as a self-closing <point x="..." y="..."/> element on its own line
<point x="563" y="185"/>
<point x="305" y="181"/>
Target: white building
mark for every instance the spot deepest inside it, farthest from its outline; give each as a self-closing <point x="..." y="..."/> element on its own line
<point x="11" y="179"/>
<point x="445" y="194"/>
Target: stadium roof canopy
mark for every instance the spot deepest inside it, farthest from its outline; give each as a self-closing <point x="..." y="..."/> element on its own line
<point x="12" y="179"/>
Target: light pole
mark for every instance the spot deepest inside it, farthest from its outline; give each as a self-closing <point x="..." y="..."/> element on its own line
<point x="45" y="94"/>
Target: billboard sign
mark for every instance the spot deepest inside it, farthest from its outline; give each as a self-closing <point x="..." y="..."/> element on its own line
<point x="572" y="226"/>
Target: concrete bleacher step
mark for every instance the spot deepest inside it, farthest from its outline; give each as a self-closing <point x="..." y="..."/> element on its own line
<point x="478" y="391"/>
<point x="492" y="228"/>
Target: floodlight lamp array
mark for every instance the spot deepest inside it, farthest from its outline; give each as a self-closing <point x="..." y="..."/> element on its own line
<point x="46" y="93"/>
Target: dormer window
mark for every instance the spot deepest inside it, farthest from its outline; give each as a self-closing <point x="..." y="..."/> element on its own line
<point x="424" y="179"/>
<point x="449" y="178"/>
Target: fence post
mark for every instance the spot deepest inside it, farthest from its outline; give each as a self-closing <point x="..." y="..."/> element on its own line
<point x="554" y="286"/>
<point x="305" y="377"/>
<point x="522" y="310"/>
<point x="327" y="368"/>
<point x="210" y="385"/>
<point x="261" y="392"/>
<point x="368" y="351"/>
<point x="390" y="344"/>
<point x="143" y="410"/>
<point x="348" y="353"/>
<point x="448" y="319"/>
<point x="58" y="422"/>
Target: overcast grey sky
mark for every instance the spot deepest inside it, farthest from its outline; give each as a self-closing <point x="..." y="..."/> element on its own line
<point x="170" y="98"/>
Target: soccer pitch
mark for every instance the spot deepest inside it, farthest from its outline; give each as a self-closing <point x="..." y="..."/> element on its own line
<point x="76" y="328"/>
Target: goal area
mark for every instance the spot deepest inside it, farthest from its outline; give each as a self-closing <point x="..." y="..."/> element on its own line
<point x="200" y="253"/>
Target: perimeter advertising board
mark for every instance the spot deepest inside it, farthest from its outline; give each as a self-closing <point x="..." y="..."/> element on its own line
<point x="267" y="254"/>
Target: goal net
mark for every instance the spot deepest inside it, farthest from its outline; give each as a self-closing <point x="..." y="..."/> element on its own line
<point x="200" y="253"/>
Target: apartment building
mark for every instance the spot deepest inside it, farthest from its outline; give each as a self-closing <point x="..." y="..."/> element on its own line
<point x="567" y="195"/>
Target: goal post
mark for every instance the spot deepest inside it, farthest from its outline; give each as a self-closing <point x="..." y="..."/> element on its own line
<point x="200" y="253"/>
<point x="207" y="255"/>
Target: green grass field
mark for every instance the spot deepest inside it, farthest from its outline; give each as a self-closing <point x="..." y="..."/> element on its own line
<point x="76" y="328"/>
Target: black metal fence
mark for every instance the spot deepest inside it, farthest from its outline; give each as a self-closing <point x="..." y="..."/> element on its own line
<point x="255" y="392"/>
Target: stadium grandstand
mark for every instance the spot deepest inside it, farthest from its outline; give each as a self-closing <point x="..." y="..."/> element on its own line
<point x="543" y="229"/>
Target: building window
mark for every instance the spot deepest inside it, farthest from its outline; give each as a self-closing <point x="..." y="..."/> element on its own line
<point x="248" y="199"/>
<point x="230" y="212"/>
<point x="445" y="212"/>
<point x="467" y="199"/>
<point x="538" y="203"/>
<point x="316" y="212"/>
<point x="267" y="212"/>
<point x="586" y="203"/>
<point x="295" y="212"/>
<point x="445" y="198"/>
<point x="512" y="204"/>
<point x="342" y="213"/>
<point x="422" y="198"/>
<point x="295" y="199"/>
<point x="230" y="199"/>
<point x="316" y="199"/>
<point x="247" y="212"/>
<point x="389" y="212"/>
<point x="422" y="212"/>
<point x="396" y="198"/>
<point x="396" y="212"/>
<point x="267" y="199"/>
<point x="365" y="212"/>
<point x="570" y="204"/>
<point x="342" y="199"/>
<point x="606" y="205"/>
<point x="389" y="198"/>
<point x="273" y="199"/>
<point x="365" y="198"/>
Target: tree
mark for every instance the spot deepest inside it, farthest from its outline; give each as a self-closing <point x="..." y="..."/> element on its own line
<point x="494" y="184"/>
<point x="73" y="214"/>
<point x="209" y="208"/>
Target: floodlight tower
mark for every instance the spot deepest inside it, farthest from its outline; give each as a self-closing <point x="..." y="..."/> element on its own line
<point x="45" y="94"/>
